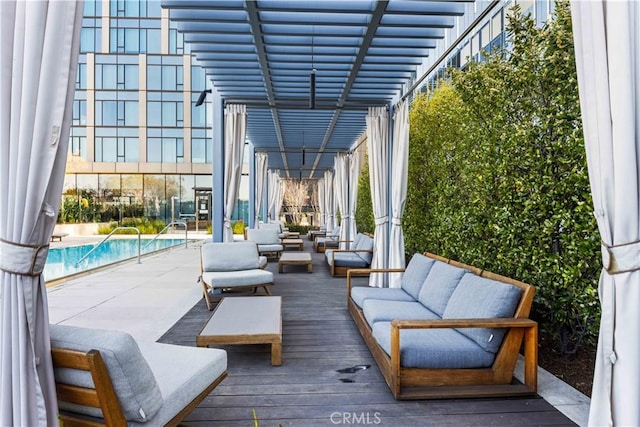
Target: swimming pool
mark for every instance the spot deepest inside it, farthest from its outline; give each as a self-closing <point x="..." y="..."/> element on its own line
<point x="62" y="262"/>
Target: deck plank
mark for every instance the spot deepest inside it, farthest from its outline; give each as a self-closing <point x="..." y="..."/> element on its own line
<point x="319" y="338"/>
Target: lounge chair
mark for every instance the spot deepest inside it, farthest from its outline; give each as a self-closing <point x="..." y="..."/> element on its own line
<point x="108" y="378"/>
<point x="228" y="266"/>
<point x="267" y="239"/>
<point x="330" y="240"/>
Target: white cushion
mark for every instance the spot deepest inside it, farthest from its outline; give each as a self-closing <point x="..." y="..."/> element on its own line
<point x="229" y="279"/>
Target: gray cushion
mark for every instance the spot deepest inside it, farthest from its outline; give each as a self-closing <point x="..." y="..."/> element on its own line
<point x="477" y="297"/>
<point x="327" y="241"/>
<point x="345" y="259"/>
<point x="381" y="310"/>
<point x="132" y="378"/>
<point x="275" y="247"/>
<point x="230" y="279"/>
<point x="415" y="274"/>
<point x="182" y="373"/>
<point x="229" y="256"/>
<point x="263" y="236"/>
<point x="439" y="285"/>
<point x="433" y="348"/>
<point x="361" y="293"/>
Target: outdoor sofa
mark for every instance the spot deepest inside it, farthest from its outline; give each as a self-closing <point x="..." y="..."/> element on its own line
<point x="450" y="330"/>
<point x="359" y="255"/>
<point x="226" y="266"/>
<point x="330" y="240"/>
<point x="108" y="378"/>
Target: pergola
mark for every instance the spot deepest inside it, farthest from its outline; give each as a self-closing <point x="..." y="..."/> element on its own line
<point x="308" y="72"/>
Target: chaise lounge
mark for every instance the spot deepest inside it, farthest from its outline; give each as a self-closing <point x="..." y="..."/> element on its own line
<point x="450" y="330"/>
<point x="107" y="378"/>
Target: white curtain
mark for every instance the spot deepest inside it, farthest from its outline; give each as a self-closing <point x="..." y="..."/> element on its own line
<point x="272" y="193"/>
<point x="280" y="198"/>
<point x="328" y="199"/>
<point x="261" y="180"/>
<point x="341" y="167"/>
<point x="354" y="173"/>
<point x="607" y="42"/>
<point x="399" y="167"/>
<point x="235" y="129"/>
<point x="323" y="215"/>
<point x="377" y="142"/>
<point x="38" y="58"/>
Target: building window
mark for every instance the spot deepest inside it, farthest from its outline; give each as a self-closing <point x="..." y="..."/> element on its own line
<point x="116" y="113"/>
<point x="176" y="42"/>
<point x="497" y="31"/>
<point x="165" y="113"/>
<point x="165" y="77"/>
<point x="117" y="76"/>
<point x="116" y="149"/>
<point x="90" y="37"/>
<point x="92" y="8"/>
<point x="78" y="146"/>
<point x="165" y="150"/>
<point x="79" y="112"/>
<point x="81" y="76"/>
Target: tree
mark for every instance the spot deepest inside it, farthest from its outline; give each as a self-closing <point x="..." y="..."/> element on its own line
<point x="296" y="195"/>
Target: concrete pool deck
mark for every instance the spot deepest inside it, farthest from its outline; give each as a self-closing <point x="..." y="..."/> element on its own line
<point x="147" y="299"/>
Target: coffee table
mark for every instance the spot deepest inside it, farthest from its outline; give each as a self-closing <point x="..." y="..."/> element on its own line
<point x="296" y="243"/>
<point x="295" y="258"/>
<point x="246" y="320"/>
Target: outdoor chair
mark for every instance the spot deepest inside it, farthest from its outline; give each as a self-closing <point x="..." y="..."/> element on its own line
<point x="226" y="266"/>
<point x="267" y="239"/>
<point x="108" y="378"/>
<point x="359" y="255"/>
<point x="330" y="240"/>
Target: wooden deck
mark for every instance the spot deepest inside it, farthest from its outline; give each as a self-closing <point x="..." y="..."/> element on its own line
<point x="319" y="338"/>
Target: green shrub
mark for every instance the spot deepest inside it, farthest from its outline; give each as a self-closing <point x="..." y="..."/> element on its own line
<point x="364" y="209"/>
<point x="145" y="225"/>
<point x="238" y="227"/>
<point x="498" y="176"/>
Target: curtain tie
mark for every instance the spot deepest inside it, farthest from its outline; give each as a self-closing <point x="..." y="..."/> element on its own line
<point x="382" y="220"/>
<point x="622" y="258"/>
<point x="396" y="221"/>
<point x="22" y="259"/>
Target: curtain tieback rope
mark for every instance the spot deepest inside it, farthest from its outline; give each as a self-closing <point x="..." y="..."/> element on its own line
<point x="382" y="220"/>
<point x="622" y="258"/>
<point x="396" y="221"/>
<point x="22" y="259"/>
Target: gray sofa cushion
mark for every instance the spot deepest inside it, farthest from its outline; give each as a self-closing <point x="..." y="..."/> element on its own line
<point x="433" y="348"/>
<point x="345" y="259"/>
<point x="182" y="373"/>
<point x="439" y="285"/>
<point x="132" y="378"/>
<point x="229" y="256"/>
<point x="361" y="293"/>
<point x="229" y="279"/>
<point x="477" y="297"/>
<point x="276" y="247"/>
<point x="366" y="243"/>
<point x="415" y="274"/>
<point x="385" y="310"/>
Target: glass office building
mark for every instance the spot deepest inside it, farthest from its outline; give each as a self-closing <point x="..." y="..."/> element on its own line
<point x="138" y="145"/>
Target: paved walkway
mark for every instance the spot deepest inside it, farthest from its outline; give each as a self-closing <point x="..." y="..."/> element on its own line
<point x="147" y="299"/>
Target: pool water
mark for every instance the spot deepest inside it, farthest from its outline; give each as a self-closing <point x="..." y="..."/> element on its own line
<point x="62" y="262"/>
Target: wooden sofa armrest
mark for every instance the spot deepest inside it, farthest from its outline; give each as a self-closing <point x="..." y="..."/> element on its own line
<point x="530" y="338"/>
<point x="366" y="272"/>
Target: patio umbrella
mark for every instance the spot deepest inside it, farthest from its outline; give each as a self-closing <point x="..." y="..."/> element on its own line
<point x="607" y="43"/>
<point x="399" y="167"/>
<point x="378" y="136"/>
<point x="39" y="44"/>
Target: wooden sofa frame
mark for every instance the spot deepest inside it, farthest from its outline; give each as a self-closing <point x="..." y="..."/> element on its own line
<point x="103" y="395"/>
<point x="497" y="380"/>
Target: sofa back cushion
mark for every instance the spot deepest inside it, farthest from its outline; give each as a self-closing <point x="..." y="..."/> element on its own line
<point x="263" y="236"/>
<point x="415" y="274"/>
<point x="229" y="256"/>
<point x="132" y="378"/>
<point x="477" y="297"/>
<point x="365" y="244"/>
<point x="439" y="285"/>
